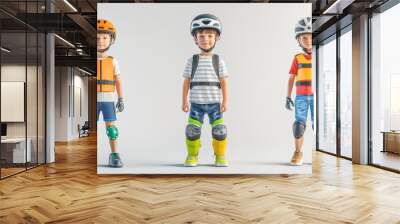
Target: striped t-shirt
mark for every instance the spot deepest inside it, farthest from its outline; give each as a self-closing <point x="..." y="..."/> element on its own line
<point x="205" y="73"/>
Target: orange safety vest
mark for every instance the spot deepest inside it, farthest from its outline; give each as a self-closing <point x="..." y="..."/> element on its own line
<point x="304" y="75"/>
<point x="105" y="75"/>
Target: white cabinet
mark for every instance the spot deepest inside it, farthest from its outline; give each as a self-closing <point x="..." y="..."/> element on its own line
<point x="18" y="149"/>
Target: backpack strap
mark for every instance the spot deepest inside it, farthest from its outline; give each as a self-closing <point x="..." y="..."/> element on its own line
<point x="195" y="63"/>
<point x="215" y="62"/>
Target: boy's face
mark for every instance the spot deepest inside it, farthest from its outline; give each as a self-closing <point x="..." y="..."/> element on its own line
<point x="103" y="41"/>
<point x="206" y="38"/>
<point x="306" y="41"/>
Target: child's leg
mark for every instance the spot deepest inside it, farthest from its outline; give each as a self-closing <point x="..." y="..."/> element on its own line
<point x="112" y="132"/>
<point x="193" y="134"/>
<point x="110" y="117"/>
<point x="299" y="126"/>
<point x="219" y="133"/>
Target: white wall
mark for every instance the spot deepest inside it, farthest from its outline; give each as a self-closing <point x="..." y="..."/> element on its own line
<point x="152" y="47"/>
<point x="34" y="125"/>
<point x="12" y="73"/>
<point x="80" y="89"/>
<point x="68" y="83"/>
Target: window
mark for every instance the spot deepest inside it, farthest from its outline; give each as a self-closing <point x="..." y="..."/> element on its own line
<point x="346" y="93"/>
<point x="327" y="96"/>
<point x="22" y="75"/>
<point x="385" y="89"/>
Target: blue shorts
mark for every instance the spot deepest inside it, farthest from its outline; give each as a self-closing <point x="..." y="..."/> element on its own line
<point x="108" y="111"/>
<point x="301" y="105"/>
<point x="213" y="111"/>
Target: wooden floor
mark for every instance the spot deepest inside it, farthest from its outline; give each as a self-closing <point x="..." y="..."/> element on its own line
<point x="387" y="159"/>
<point x="70" y="191"/>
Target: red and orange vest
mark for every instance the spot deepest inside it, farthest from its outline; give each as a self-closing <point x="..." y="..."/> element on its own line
<point x="304" y="75"/>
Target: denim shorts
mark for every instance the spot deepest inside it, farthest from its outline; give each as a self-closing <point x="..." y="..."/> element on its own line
<point x="108" y="111"/>
<point x="213" y="111"/>
<point x="303" y="103"/>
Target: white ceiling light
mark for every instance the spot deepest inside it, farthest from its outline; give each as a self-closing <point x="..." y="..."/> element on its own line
<point x="5" y="50"/>
<point x="70" y="5"/>
<point x="338" y="6"/>
<point x="65" y="41"/>
<point x="84" y="71"/>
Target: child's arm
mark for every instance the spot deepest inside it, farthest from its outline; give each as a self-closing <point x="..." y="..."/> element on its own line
<point x="290" y="85"/>
<point x="185" y="91"/>
<point x="224" y="90"/>
<point x="118" y="86"/>
<point x="289" y="101"/>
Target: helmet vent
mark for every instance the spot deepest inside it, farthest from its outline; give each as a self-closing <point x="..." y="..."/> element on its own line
<point x="206" y="22"/>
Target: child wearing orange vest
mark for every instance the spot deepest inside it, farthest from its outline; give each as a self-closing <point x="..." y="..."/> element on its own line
<point x="300" y="73"/>
<point x="108" y="81"/>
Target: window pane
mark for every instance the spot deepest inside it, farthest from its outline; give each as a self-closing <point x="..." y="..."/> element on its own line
<point x="386" y="89"/>
<point x="31" y="97"/>
<point x="346" y="93"/>
<point x="14" y="153"/>
<point x="327" y="97"/>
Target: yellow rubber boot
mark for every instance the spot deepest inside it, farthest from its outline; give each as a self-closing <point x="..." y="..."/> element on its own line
<point x="219" y="151"/>
<point x="193" y="148"/>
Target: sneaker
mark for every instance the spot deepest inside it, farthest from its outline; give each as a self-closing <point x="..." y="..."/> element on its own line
<point x="221" y="161"/>
<point x="114" y="160"/>
<point x="297" y="159"/>
<point x="191" y="161"/>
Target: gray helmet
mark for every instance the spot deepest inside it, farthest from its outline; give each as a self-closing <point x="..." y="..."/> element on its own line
<point x="205" y="21"/>
<point x="303" y="26"/>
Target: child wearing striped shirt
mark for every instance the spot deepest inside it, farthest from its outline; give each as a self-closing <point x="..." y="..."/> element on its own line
<point x="204" y="76"/>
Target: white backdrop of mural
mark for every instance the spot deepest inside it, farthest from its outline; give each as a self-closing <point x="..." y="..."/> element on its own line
<point x="152" y="46"/>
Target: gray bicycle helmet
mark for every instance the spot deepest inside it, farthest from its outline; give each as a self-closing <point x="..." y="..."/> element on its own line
<point x="205" y="21"/>
<point x="303" y="26"/>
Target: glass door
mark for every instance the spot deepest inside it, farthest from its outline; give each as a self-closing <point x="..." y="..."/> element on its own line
<point x="327" y="96"/>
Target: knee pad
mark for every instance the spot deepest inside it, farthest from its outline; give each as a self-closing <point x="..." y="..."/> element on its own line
<point x="112" y="132"/>
<point x="219" y="132"/>
<point x="298" y="129"/>
<point x="193" y="132"/>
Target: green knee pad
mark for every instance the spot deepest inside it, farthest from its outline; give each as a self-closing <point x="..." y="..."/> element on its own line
<point x="112" y="132"/>
<point x="193" y="147"/>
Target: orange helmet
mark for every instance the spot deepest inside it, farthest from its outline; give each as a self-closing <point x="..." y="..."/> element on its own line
<point x="105" y="26"/>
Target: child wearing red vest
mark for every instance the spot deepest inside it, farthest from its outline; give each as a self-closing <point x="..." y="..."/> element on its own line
<point x="301" y="75"/>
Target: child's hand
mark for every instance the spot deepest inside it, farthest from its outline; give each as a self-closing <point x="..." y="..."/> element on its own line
<point x="223" y="107"/>
<point x="120" y="104"/>
<point x="289" y="103"/>
<point x="185" y="106"/>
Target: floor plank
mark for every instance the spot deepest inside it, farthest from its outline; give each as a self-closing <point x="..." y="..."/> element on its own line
<point x="70" y="191"/>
